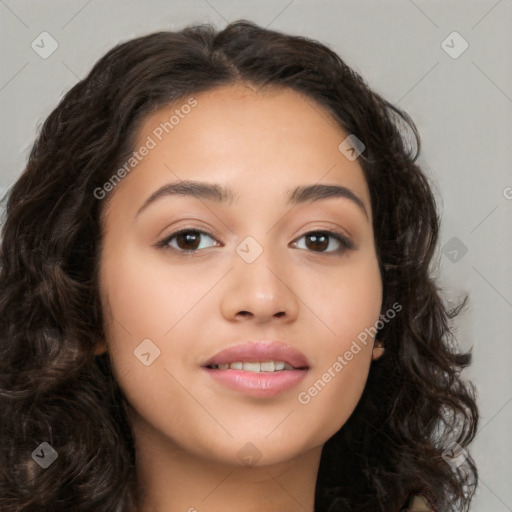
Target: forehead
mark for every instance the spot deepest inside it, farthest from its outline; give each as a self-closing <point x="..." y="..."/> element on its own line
<point x="264" y="141"/>
<point x="238" y="113"/>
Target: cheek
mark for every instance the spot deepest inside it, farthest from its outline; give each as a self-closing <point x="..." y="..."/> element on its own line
<point x="333" y="391"/>
<point x="151" y="313"/>
<point x="348" y="301"/>
<point x="138" y="308"/>
<point x="142" y="344"/>
<point x="349" y="307"/>
<point x="146" y="299"/>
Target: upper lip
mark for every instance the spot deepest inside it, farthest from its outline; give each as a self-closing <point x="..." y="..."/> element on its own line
<point x="260" y="351"/>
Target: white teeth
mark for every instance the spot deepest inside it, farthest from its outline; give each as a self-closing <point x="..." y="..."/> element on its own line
<point x="267" y="366"/>
<point x="251" y="367"/>
<point x="264" y="366"/>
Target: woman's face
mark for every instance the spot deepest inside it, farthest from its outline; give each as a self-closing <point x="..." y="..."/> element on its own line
<point x="267" y="276"/>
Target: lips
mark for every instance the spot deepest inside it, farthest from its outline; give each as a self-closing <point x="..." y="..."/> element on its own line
<point x="258" y="384"/>
<point x="260" y="352"/>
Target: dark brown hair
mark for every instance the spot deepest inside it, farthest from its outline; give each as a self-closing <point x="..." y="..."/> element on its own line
<point x="53" y="388"/>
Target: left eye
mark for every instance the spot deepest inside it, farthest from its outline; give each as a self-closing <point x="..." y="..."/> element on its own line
<point x="319" y="241"/>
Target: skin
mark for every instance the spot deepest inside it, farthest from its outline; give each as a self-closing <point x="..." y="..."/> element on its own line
<point x="188" y="428"/>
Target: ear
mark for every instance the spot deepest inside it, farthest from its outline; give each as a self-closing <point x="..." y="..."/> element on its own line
<point x="100" y="348"/>
<point x="378" y="350"/>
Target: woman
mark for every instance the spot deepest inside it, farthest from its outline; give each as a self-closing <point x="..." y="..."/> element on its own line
<point x="216" y="292"/>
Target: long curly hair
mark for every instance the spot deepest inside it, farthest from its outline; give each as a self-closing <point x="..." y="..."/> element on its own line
<point x="54" y="389"/>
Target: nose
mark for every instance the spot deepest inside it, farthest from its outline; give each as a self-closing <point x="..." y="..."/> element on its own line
<point x="261" y="291"/>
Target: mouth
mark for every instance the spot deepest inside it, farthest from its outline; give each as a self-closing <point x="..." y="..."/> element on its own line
<point x="258" y="369"/>
<point x="256" y="366"/>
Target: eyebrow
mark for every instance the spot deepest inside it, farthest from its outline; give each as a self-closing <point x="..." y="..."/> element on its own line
<point x="220" y="194"/>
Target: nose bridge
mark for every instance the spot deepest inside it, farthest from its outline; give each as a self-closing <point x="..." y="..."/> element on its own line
<point x="259" y="282"/>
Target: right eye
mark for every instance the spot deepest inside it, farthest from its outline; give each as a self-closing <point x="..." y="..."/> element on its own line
<point x="186" y="240"/>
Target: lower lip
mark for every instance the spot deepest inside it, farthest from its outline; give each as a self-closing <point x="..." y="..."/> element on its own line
<point x="258" y="384"/>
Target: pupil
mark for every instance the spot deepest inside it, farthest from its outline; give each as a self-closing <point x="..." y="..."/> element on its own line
<point x="187" y="238"/>
<point x="316" y="241"/>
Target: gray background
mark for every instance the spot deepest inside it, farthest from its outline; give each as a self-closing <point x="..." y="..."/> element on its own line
<point x="462" y="107"/>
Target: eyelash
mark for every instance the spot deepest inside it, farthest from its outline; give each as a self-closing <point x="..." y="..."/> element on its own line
<point x="345" y="243"/>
